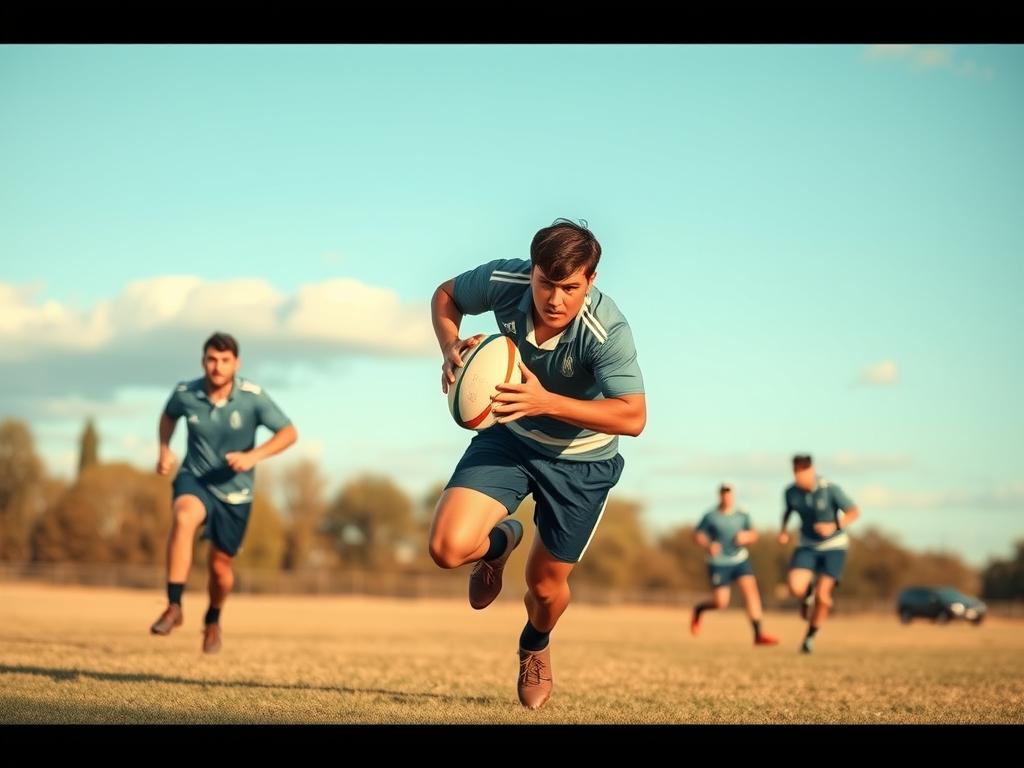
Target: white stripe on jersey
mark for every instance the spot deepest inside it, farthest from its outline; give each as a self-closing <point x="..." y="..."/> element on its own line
<point x="598" y="328"/>
<point x="570" y="446"/>
<point x="842" y="541"/>
<point x="601" y="339"/>
<point x="739" y="557"/>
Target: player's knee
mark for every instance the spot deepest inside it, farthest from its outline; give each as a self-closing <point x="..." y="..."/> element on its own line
<point x="449" y="551"/>
<point x="186" y="516"/>
<point x="546" y="590"/>
<point x="721" y="601"/>
<point x="222" y="571"/>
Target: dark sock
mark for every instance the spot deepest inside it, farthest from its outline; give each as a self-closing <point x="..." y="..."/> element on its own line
<point x="810" y="590"/>
<point x="174" y="593"/>
<point x="704" y="607"/>
<point x="756" y="624"/>
<point x="212" y="616"/>
<point x="811" y="631"/>
<point x="499" y="543"/>
<point x="533" y="639"/>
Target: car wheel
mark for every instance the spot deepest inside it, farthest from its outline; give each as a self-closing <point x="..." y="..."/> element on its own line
<point x="943" y="617"/>
<point x="906" y="616"/>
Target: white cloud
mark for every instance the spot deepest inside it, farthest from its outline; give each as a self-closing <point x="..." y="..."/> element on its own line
<point x="770" y="465"/>
<point x="883" y="374"/>
<point x="144" y="334"/>
<point x="1006" y="496"/>
<point x="82" y="408"/>
<point x="341" y="313"/>
<point x="924" y="58"/>
<point x="880" y="462"/>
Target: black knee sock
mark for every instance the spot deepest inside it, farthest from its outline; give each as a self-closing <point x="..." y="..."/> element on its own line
<point x="533" y="639"/>
<point x="704" y="607"/>
<point x="499" y="543"/>
<point x="174" y="592"/>
<point x="756" y="624"/>
<point x="811" y="631"/>
<point x="212" y="616"/>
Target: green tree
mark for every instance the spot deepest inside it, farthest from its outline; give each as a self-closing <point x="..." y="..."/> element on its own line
<point x="371" y="523"/>
<point x="1004" y="579"/>
<point x="89" y="447"/>
<point x="304" y="507"/>
<point x="21" y="489"/>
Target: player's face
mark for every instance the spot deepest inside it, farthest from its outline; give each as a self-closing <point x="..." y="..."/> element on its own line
<point x="558" y="302"/>
<point x="220" y="367"/>
<point x="726" y="497"/>
<point x="804" y="478"/>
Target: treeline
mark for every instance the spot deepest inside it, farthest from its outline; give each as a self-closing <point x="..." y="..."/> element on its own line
<point x="113" y="513"/>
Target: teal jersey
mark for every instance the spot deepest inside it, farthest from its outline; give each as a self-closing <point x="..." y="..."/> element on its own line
<point x="822" y="505"/>
<point x="721" y="527"/>
<point x="592" y="358"/>
<point x="216" y="429"/>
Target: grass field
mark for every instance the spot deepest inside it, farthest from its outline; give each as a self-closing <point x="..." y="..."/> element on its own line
<point x="82" y="655"/>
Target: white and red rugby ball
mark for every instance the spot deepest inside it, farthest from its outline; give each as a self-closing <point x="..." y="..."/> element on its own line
<point x="495" y="360"/>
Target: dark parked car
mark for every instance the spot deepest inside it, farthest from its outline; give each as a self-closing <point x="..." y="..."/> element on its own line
<point x="940" y="604"/>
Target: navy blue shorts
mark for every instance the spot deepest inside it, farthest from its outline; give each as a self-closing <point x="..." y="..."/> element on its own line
<point x="570" y="495"/>
<point x="827" y="561"/>
<point x="225" y="523"/>
<point x="724" y="575"/>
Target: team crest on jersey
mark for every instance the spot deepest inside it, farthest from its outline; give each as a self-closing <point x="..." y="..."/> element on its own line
<point x="568" y="366"/>
<point x="235" y="420"/>
<point x="510" y="327"/>
<point x="193" y="419"/>
<point x="821" y="503"/>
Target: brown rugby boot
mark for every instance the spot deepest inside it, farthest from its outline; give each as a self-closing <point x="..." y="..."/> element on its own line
<point x="172" y="617"/>
<point x="485" y="580"/>
<point x="535" y="679"/>
<point x="211" y="638"/>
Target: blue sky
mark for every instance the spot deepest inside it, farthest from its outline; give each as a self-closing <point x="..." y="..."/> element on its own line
<point x="818" y="248"/>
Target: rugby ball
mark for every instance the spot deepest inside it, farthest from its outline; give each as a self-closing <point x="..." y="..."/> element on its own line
<point x="495" y="360"/>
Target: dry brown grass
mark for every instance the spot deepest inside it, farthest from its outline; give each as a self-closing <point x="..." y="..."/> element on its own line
<point x="81" y="655"/>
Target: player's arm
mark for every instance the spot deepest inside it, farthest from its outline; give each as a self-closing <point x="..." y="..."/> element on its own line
<point x="841" y="502"/>
<point x="851" y="512"/>
<point x="623" y="415"/>
<point x="702" y="536"/>
<point x="243" y="461"/>
<point x="747" y="536"/>
<point x="166" y="459"/>
<point x="272" y="417"/>
<point x="446" y="318"/>
<point x="704" y="542"/>
<point x="849" y="517"/>
<point x="787" y="511"/>
<point x="174" y="409"/>
<point x="622" y="411"/>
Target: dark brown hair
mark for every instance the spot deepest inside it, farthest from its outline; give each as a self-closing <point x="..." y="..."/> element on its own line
<point x="564" y="247"/>
<point x="222" y="342"/>
<point x="802" y="461"/>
